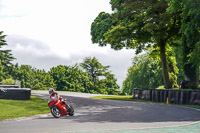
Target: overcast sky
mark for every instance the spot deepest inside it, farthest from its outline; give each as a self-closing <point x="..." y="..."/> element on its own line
<point x="47" y="33"/>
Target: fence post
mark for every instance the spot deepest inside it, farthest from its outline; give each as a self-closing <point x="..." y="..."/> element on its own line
<point x="167" y="101"/>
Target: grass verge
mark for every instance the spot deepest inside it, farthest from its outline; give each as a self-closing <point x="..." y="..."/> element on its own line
<point x="129" y="98"/>
<point x="22" y="108"/>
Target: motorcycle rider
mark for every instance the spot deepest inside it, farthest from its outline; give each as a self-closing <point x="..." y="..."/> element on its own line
<point x="56" y="96"/>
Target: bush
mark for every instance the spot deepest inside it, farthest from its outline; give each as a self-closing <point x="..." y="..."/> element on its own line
<point x="9" y="81"/>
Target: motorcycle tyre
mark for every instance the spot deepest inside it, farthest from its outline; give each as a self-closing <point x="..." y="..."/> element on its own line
<point x="71" y="111"/>
<point x="52" y="112"/>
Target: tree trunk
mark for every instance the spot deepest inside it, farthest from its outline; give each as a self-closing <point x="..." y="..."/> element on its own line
<point x="165" y="73"/>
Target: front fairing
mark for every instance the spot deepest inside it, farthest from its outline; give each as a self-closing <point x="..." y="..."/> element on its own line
<point x="51" y="102"/>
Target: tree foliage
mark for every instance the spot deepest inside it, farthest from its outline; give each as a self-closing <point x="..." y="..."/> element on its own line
<point x="94" y="68"/>
<point x="31" y="77"/>
<point x="102" y="81"/>
<point x="62" y="77"/>
<point x="144" y="73"/>
<point x="69" y="78"/>
<point x="1" y="72"/>
<point x="189" y="11"/>
<point x="9" y="81"/>
<point x="138" y="24"/>
<point x="5" y="55"/>
<point x="66" y="78"/>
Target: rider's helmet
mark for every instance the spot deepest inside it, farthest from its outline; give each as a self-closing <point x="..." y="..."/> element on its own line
<point x="51" y="91"/>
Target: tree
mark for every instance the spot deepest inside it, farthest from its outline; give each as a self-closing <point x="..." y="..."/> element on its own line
<point x="111" y="84"/>
<point x="70" y="78"/>
<point x="5" y="55"/>
<point x="31" y="77"/>
<point x="102" y="80"/>
<point x="137" y="24"/>
<point x="94" y="68"/>
<point x="5" y="58"/>
<point x="190" y="36"/>
<point x="144" y="73"/>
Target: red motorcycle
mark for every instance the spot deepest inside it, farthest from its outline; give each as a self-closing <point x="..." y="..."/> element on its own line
<point x="60" y="107"/>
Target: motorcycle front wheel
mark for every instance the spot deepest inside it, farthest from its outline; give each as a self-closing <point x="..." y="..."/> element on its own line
<point x="55" y="112"/>
<point x="71" y="111"/>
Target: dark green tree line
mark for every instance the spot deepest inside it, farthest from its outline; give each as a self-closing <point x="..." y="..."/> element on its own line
<point x="70" y="78"/>
<point x="31" y="77"/>
<point x="66" y="78"/>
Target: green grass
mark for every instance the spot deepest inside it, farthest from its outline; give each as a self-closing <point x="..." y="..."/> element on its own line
<point x="116" y="97"/>
<point x="162" y="87"/>
<point x="129" y="98"/>
<point x="121" y="97"/>
<point x="22" y="108"/>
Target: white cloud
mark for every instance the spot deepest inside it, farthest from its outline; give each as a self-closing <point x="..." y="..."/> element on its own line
<point x="46" y="33"/>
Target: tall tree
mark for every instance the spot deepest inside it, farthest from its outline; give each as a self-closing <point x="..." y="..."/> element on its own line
<point x="5" y="55"/>
<point x="94" y="68"/>
<point x="102" y="80"/>
<point x="137" y="24"/>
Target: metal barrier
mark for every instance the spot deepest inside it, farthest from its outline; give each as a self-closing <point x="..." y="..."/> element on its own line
<point x="15" y="93"/>
<point x="172" y="96"/>
<point x="9" y="86"/>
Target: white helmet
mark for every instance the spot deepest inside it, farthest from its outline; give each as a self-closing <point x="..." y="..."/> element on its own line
<point x="51" y="91"/>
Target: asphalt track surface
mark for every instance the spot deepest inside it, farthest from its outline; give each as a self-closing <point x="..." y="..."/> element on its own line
<point x="104" y="115"/>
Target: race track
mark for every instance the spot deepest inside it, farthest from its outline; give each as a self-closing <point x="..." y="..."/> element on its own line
<point x="100" y="115"/>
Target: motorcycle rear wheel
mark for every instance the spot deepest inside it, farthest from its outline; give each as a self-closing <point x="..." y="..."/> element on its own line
<point x="55" y="112"/>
